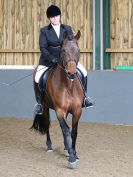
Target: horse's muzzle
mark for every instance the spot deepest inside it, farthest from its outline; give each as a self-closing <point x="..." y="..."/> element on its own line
<point x="71" y="67"/>
<point x="71" y="70"/>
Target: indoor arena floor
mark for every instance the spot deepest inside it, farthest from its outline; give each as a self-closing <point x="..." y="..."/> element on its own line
<point x="104" y="151"/>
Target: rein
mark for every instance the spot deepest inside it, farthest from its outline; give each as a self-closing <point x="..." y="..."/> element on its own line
<point x="18" y="80"/>
<point x="15" y="81"/>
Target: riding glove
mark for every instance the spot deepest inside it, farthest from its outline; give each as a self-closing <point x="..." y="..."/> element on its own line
<point x="52" y="60"/>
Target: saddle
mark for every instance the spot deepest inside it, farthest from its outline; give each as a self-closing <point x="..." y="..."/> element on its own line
<point x="43" y="80"/>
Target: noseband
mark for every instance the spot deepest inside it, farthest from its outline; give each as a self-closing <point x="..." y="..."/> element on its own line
<point x="71" y="76"/>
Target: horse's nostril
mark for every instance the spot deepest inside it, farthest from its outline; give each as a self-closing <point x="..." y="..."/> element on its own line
<point x="71" y="67"/>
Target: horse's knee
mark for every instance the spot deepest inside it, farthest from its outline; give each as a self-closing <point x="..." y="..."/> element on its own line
<point x="65" y="128"/>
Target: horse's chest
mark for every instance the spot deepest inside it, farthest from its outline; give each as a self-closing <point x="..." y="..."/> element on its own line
<point x="73" y="98"/>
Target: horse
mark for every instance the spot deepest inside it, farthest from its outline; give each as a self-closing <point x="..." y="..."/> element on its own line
<point x="63" y="93"/>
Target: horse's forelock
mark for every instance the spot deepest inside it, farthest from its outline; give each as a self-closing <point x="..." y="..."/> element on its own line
<point x="70" y="37"/>
<point x="72" y="44"/>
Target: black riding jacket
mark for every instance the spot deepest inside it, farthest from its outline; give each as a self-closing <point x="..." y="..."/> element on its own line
<point x="50" y="44"/>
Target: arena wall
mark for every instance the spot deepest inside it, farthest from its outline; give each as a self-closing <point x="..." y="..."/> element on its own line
<point x="111" y="91"/>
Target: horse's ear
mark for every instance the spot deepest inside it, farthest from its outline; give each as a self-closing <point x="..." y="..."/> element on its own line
<point x="77" y="36"/>
<point x="65" y="35"/>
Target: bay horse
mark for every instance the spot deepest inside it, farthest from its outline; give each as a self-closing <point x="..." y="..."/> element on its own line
<point x="64" y="94"/>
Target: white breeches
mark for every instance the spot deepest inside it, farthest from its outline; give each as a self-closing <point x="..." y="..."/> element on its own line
<point x="39" y="72"/>
<point x="41" y="69"/>
<point x="82" y="68"/>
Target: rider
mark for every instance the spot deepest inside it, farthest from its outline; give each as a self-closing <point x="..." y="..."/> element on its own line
<point x="50" y="40"/>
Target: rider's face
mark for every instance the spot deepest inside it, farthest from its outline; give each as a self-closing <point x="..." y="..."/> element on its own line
<point x="55" y="20"/>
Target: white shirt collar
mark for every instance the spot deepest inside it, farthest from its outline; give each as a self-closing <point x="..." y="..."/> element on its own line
<point x="57" y="29"/>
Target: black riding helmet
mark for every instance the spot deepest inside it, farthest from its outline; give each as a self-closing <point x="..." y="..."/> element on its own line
<point x="53" y="11"/>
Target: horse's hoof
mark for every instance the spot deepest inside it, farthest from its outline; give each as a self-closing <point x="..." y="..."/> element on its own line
<point x="72" y="165"/>
<point x="77" y="160"/>
<point x="50" y="150"/>
<point x="66" y="153"/>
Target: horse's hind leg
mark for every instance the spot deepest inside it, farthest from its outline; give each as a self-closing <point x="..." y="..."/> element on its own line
<point x="48" y="142"/>
<point x="47" y="121"/>
<point x="41" y="124"/>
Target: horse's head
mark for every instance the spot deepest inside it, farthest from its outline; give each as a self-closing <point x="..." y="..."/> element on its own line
<point x="70" y="53"/>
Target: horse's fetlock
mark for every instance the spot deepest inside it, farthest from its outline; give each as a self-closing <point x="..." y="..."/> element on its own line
<point x="72" y="158"/>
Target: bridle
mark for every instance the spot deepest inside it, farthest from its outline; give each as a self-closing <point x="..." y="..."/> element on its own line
<point x="63" y="67"/>
<point x="64" y="64"/>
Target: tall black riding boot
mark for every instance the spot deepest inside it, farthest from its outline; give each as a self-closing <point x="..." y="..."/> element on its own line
<point x="38" y="109"/>
<point x="87" y="101"/>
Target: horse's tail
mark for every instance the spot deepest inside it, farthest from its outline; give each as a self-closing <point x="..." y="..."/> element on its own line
<point x="41" y="123"/>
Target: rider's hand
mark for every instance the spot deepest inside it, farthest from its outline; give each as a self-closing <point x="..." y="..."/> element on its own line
<point x="54" y="60"/>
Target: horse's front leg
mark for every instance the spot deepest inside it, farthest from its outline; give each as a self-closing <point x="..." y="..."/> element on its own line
<point x="74" y="137"/>
<point x="67" y="139"/>
<point x="74" y="132"/>
<point x="65" y="146"/>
